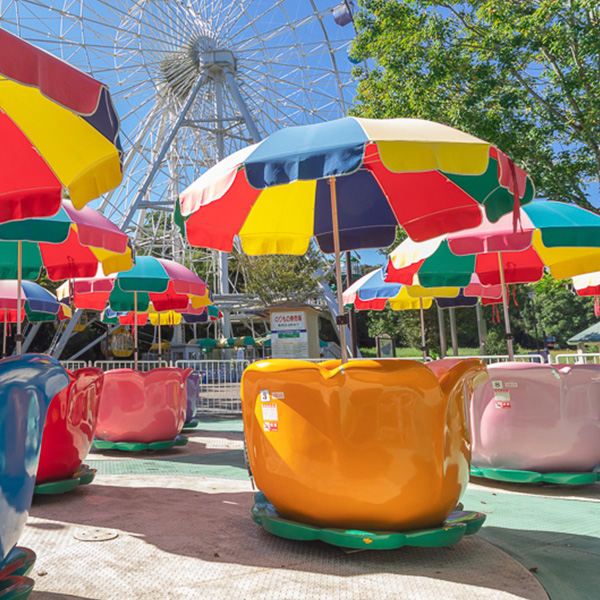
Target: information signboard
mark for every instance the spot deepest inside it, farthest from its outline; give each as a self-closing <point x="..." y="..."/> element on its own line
<point x="289" y="336"/>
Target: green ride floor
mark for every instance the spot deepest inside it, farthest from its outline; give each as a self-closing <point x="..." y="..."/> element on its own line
<point x="558" y="539"/>
<point x="228" y="464"/>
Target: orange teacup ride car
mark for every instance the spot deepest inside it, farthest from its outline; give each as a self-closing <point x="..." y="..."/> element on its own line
<point x="369" y="454"/>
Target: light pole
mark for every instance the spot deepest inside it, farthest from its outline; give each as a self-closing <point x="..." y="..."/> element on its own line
<point x="537" y="342"/>
<point x="350" y="262"/>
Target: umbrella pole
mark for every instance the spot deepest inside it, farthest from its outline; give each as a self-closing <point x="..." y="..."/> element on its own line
<point x="508" y="335"/>
<point x="442" y="327"/>
<point x="352" y="315"/>
<point x="4" y="336"/>
<point x="159" y="344"/>
<point x="135" y="332"/>
<point x="423" y="346"/>
<point x="19" y="269"/>
<point x="342" y="318"/>
<point x="480" y="328"/>
<point x="453" y="337"/>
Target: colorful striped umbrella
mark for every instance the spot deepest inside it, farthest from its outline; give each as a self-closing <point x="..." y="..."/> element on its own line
<point x="349" y="183"/>
<point x="169" y="317"/>
<point x="546" y="226"/>
<point x="203" y="314"/>
<point x="59" y="130"/>
<point x="165" y="283"/>
<point x="587" y="284"/>
<point x="372" y="292"/>
<point x="70" y="244"/>
<point x="560" y="225"/>
<point x="36" y="303"/>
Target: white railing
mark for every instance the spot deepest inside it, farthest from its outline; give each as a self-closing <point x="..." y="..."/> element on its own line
<point x="143" y="365"/>
<point x="578" y="358"/>
<point x="487" y="358"/>
<point x="493" y="358"/>
<point x="73" y="365"/>
<point x="323" y="359"/>
<point x="219" y="389"/>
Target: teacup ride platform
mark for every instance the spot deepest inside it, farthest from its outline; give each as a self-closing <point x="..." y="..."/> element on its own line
<point x="142" y="411"/>
<point x="537" y="423"/>
<point x="69" y="433"/>
<point x="27" y="384"/>
<point x="369" y="454"/>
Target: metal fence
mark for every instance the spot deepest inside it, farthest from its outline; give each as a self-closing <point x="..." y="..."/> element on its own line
<point x="143" y="365"/>
<point x="496" y="358"/>
<point x="219" y="390"/>
<point x="579" y="358"/>
<point x="73" y="365"/>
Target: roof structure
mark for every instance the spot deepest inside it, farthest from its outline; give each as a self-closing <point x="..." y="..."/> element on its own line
<point x="591" y="335"/>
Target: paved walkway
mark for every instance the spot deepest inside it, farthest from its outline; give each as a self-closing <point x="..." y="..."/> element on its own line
<point x="180" y="527"/>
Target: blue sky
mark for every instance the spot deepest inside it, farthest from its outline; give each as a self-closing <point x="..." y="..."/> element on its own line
<point x="371" y="257"/>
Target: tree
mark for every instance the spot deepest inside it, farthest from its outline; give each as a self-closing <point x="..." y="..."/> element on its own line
<point x="405" y="327"/>
<point x="560" y="312"/>
<point x="524" y="75"/>
<point x="280" y="277"/>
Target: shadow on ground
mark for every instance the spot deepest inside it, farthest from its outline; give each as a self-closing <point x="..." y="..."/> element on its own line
<point x="216" y="527"/>
<point x="52" y="596"/>
<point x="567" y="492"/>
<point x="566" y="565"/>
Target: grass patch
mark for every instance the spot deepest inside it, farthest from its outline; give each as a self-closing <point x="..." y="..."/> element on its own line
<point x="415" y="352"/>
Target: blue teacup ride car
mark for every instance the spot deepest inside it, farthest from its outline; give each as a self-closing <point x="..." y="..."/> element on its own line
<point x="27" y="384"/>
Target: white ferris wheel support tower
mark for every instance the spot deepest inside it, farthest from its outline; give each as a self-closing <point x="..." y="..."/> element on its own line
<point x="220" y="66"/>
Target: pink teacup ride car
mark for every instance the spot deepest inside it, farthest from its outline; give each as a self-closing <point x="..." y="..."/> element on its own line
<point x="69" y="433"/>
<point x="142" y="410"/>
<point x="537" y="423"/>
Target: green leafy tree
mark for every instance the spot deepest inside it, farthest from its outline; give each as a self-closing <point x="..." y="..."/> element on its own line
<point x="524" y="75"/>
<point x="405" y="327"/>
<point x="276" y="278"/>
<point x="560" y="312"/>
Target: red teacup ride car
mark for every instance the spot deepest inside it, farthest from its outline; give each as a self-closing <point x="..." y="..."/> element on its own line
<point x="69" y="433"/>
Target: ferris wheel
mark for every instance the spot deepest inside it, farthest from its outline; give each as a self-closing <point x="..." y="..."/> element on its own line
<point x="193" y="81"/>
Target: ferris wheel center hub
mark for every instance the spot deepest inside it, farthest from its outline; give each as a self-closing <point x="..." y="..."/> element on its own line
<point x="223" y="60"/>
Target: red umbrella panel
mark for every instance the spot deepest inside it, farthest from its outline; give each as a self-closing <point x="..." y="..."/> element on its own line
<point x="587" y="284"/>
<point x="59" y="130"/>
